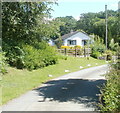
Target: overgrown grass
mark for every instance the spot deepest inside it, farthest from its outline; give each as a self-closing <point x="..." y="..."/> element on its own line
<point x="17" y="82"/>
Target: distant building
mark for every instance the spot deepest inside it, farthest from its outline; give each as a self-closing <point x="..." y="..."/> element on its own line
<point x="75" y="38"/>
<point x="51" y="42"/>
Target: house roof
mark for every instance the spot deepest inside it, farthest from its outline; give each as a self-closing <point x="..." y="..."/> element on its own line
<point x="73" y="33"/>
<point x="69" y="35"/>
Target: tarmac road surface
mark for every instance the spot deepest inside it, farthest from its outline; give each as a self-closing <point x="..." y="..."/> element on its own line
<point x="75" y="91"/>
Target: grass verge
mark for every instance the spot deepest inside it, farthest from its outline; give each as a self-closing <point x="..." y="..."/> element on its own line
<point x="17" y="82"/>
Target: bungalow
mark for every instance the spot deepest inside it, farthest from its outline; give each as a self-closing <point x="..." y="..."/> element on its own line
<point x="75" y="38"/>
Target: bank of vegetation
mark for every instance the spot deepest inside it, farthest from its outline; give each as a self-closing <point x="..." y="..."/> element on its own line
<point x="110" y="92"/>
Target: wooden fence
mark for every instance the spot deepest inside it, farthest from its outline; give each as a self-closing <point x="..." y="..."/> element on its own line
<point x="84" y="52"/>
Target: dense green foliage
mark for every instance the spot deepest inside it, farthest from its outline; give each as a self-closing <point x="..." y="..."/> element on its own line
<point x="95" y="23"/>
<point x="2" y="63"/>
<point x="111" y="90"/>
<point x="113" y="46"/>
<point x="18" y="19"/>
<point x="40" y="56"/>
<point x="98" y="47"/>
<point x="68" y="24"/>
<point x="26" y="30"/>
<point x="22" y="20"/>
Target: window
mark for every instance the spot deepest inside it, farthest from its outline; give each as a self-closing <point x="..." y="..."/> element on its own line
<point x="84" y="42"/>
<point x="71" y="42"/>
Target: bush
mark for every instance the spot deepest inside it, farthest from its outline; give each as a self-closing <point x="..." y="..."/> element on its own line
<point x="60" y="56"/>
<point x="97" y="47"/>
<point x="49" y="55"/>
<point x="39" y="56"/>
<point x="116" y="66"/>
<point x="36" y="55"/>
<point x="71" y="47"/>
<point x="113" y="46"/>
<point x="3" y="64"/>
<point x="77" y="47"/>
<point x="63" y="47"/>
<point x="109" y="54"/>
<point x="111" y="92"/>
<point x="15" y="56"/>
<point x="95" y="54"/>
<point x="32" y="58"/>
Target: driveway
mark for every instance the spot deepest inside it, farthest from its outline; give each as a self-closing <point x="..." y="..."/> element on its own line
<point x="75" y="91"/>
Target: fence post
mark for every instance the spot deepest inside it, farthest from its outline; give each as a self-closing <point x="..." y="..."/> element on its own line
<point x="84" y="52"/>
<point x="65" y="51"/>
<point x="75" y="52"/>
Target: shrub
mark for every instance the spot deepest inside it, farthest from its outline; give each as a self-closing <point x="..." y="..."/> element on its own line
<point x="63" y="47"/>
<point x="95" y="54"/>
<point x="40" y="45"/>
<point x="113" y="46"/>
<point x="49" y="55"/>
<point x="111" y="91"/>
<point x="62" y="57"/>
<point x="116" y="66"/>
<point x="77" y="47"/>
<point x="71" y="47"/>
<point x="32" y="58"/>
<point x="97" y="47"/>
<point x="109" y="54"/>
<point x="15" y="56"/>
<point x="39" y="56"/>
<point x="3" y="64"/>
<point x="36" y="55"/>
<point x="59" y="42"/>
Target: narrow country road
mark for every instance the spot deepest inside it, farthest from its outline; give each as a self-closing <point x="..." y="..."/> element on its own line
<point x="75" y="91"/>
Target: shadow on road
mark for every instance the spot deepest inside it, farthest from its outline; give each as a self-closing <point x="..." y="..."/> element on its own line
<point x="80" y="91"/>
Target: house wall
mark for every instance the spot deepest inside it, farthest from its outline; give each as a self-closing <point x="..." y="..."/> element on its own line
<point x="51" y="42"/>
<point x="78" y="37"/>
<point x="78" y="41"/>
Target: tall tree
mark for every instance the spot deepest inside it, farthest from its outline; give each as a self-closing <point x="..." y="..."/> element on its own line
<point x="19" y="19"/>
<point x="69" y="24"/>
<point x="95" y="23"/>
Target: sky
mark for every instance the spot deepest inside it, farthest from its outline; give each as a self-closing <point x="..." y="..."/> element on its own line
<point x="76" y="7"/>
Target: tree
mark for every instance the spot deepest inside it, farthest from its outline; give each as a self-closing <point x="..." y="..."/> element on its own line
<point x="25" y="23"/>
<point x="68" y="24"/>
<point x="86" y="22"/>
<point x="95" y="23"/>
<point x="99" y="28"/>
<point x="19" y="19"/>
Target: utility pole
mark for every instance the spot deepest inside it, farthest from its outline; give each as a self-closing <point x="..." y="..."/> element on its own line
<point x="118" y="6"/>
<point x="106" y="37"/>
